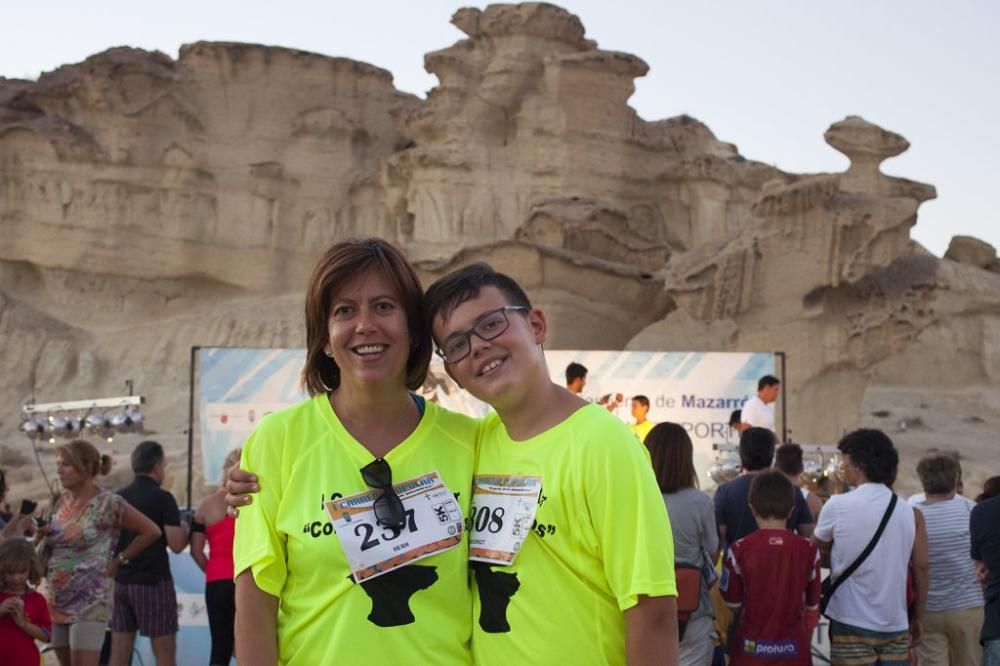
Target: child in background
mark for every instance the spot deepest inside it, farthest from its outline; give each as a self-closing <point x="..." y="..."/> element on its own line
<point x="772" y="575"/>
<point x="24" y="615"/>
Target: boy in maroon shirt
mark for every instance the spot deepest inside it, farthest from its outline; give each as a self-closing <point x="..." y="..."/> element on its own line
<point x="771" y="575"/>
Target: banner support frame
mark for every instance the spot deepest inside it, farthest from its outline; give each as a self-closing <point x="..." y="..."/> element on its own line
<point x="190" y="461"/>
<point x="784" y="396"/>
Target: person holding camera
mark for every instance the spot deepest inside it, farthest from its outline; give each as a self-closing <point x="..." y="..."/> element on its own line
<point x="18" y="524"/>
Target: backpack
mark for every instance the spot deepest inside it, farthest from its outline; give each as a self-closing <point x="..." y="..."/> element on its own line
<point x="688" y="577"/>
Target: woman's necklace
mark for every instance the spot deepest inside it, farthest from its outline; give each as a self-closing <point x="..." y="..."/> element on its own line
<point x="76" y="505"/>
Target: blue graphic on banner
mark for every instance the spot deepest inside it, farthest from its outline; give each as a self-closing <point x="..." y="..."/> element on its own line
<point x="690" y="365"/>
<point x="758" y="366"/>
<point x="632" y="365"/>
<point x="666" y="365"/>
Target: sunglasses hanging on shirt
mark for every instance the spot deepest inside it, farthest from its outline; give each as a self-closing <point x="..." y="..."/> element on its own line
<point x="389" y="511"/>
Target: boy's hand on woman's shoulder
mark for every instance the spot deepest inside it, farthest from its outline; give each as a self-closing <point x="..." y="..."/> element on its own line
<point x="239" y="486"/>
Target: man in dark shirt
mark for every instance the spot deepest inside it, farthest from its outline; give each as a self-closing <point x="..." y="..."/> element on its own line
<point x="984" y="533"/>
<point x="145" y="600"/>
<point x="732" y="508"/>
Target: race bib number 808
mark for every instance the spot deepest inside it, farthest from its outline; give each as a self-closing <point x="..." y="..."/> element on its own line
<point x="503" y="511"/>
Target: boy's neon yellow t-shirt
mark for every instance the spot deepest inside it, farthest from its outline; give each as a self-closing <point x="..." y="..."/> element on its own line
<point x="601" y="538"/>
<point x="419" y="613"/>
<point x="640" y="430"/>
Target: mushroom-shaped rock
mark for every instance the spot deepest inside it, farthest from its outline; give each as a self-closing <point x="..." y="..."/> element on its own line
<point x="859" y="139"/>
<point x="867" y="145"/>
<point x="533" y="19"/>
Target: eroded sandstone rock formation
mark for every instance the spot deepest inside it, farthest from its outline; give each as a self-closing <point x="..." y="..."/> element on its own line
<point x="150" y="204"/>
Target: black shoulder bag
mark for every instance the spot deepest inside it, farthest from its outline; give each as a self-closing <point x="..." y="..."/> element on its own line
<point x="829" y="587"/>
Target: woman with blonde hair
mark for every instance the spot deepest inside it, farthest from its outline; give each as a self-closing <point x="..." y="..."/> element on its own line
<point x="86" y="522"/>
<point x="212" y="526"/>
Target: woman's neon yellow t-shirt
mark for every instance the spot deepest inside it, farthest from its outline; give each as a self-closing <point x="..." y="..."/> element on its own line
<point x="601" y="538"/>
<point x="419" y="613"/>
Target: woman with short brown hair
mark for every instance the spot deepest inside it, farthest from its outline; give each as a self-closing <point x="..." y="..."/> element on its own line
<point x="392" y="585"/>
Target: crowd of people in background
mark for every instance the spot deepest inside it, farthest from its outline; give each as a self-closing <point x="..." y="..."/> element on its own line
<point x="911" y="582"/>
<point x="583" y="546"/>
<point x="99" y="558"/>
<point x="914" y="583"/>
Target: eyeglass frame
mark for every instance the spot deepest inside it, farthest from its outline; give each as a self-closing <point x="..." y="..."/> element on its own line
<point x="388" y="497"/>
<point x="468" y="333"/>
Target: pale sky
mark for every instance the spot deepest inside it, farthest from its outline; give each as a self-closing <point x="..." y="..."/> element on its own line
<point x="769" y="76"/>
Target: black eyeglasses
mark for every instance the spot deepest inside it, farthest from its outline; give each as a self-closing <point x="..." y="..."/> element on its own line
<point x="389" y="511"/>
<point x="491" y="325"/>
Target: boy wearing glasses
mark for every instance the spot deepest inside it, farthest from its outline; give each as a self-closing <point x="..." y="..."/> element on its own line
<point x="569" y="537"/>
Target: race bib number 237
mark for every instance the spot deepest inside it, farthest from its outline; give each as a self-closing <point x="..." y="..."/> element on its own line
<point x="432" y="523"/>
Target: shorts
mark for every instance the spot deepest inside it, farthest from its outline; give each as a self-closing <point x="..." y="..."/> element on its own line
<point x="856" y="646"/>
<point x="149" y="609"/>
<point x="79" y="635"/>
<point x="991" y="652"/>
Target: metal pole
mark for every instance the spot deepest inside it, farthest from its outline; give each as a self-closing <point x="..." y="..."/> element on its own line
<point x="784" y="401"/>
<point x="194" y="356"/>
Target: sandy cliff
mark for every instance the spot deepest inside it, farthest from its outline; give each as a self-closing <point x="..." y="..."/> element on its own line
<point x="149" y="204"/>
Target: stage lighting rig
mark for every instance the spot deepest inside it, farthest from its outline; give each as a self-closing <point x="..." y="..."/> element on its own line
<point x="100" y="417"/>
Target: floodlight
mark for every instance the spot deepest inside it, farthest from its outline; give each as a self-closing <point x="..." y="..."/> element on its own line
<point x="97" y="424"/>
<point x="812" y="471"/>
<point x="73" y="428"/>
<point x="32" y="428"/>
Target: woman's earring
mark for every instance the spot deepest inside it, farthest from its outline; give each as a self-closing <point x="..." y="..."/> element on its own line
<point x="328" y="353"/>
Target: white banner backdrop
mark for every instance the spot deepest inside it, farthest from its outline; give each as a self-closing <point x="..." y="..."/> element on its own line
<point x="236" y="388"/>
<point x="239" y="386"/>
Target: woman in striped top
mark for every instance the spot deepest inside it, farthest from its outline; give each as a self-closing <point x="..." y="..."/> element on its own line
<point x="955" y="598"/>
